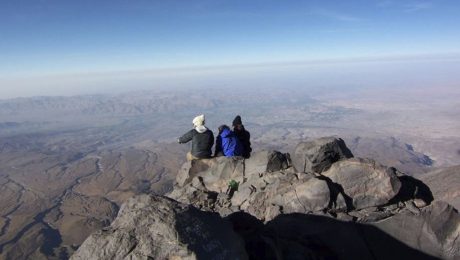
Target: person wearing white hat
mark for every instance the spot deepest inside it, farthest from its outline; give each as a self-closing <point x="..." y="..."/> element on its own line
<point x="202" y="139"/>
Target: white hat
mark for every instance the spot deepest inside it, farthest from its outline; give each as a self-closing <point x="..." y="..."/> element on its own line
<point x="199" y="120"/>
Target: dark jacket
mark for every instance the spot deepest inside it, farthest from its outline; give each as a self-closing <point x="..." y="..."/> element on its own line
<point x="228" y="144"/>
<point x="245" y="140"/>
<point x="202" y="142"/>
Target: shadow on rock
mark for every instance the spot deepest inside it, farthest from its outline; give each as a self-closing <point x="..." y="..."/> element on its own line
<point x="261" y="242"/>
<point x="251" y="230"/>
<point x="336" y="190"/>
<point x="412" y="188"/>
<point x="207" y="235"/>
<point x="318" y="237"/>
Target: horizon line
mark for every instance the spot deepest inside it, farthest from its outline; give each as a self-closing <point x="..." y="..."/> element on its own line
<point x="446" y="56"/>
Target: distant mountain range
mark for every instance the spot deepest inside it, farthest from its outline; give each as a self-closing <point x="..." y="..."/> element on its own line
<point x="136" y="103"/>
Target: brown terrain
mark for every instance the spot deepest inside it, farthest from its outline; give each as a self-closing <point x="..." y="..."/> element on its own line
<point x="444" y="184"/>
<point x="68" y="163"/>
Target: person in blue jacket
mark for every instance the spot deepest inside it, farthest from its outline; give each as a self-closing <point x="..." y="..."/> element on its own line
<point x="227" y="143"/>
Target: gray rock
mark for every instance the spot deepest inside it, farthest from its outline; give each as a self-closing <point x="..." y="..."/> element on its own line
<point x="337" y="208"/>
<point x="411" y="207"/>
<point x="152" y="227"/>
<point x="349" y="240"/>
<point x="200" y="179"/>
<point x="371" y="214"/>
<point x="353" y="183"/>
<point x="352" y="210"/>
<point x="318" y="155"/>
<point x="344" y="217"/>
<point x="434" y="231"/>
<point x="366" y="182"/>
<point x="270" y="195"/>
<point x="445" y="183"/>
<point x="419" y="203"/>
<point x="340" y="203"/>
<point x="267" y="161"/>
<point x="309" y="196"/>
<point x="263" y="243"/>
<point x="183" y="175"/>
<point x="215" y="174"/>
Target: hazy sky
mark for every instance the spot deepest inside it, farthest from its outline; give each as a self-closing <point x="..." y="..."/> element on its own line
<point x="73" y="39"/>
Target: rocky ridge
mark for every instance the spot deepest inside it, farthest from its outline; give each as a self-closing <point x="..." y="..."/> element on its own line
<point x="319" y="203"/>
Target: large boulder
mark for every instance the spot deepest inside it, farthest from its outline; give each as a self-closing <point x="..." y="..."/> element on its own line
<point x="214" y="174"/>
<point x="349" y="240"/>
<point x="318" y="155"/>
<point x="434" y="230"/>
<point x="153" y="227"/>
<point x="337" y="207"/>
<point x="310" y="195"/>
<point x="364" y="181"/>
<point x="267" y="186"/>
<point x="262" y="243"/>
<point x="268" y="195"/>
<point x="267" y="161"/>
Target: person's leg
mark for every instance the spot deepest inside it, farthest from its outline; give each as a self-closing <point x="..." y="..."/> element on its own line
<point x="189" y="156"/>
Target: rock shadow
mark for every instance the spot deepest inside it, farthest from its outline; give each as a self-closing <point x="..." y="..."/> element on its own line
<point x="336" y="189"/>
<point x="305" y="236"/>
<point x="252" y="231"/>
<point x="207" y="234"/>
<point x="412" y="188"/>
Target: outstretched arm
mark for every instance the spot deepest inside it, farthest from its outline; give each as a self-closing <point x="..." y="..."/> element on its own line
<point x="187" y="137"/>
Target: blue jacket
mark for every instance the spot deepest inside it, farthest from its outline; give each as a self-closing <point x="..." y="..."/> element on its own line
<point x="228" y="143"/>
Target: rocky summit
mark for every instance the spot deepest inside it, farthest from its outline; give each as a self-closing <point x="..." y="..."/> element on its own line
<point x="319" y="203"/>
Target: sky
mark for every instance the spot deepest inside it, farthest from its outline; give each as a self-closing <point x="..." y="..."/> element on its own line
<point x="72" y="47"/>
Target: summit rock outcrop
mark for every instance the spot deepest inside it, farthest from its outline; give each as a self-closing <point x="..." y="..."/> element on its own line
<point x="321" y="203"/>
<point x="319" y="154"/>
<point x="154" y="227"/>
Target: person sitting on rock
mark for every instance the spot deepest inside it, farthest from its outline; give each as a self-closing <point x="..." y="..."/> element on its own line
<point x="202" y="140"/>
<point x="227" y="143"/>
<point x="243" y="136"/>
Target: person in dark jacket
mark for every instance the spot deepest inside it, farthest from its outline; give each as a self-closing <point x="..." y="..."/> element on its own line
<point x="243" y="135"/>
<point x="227" y="143"/>
<point x="202" y="140"/>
